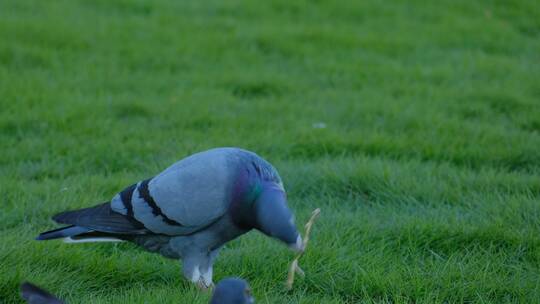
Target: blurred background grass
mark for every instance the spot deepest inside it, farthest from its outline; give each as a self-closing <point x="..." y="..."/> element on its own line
<point x="413" y="125"/>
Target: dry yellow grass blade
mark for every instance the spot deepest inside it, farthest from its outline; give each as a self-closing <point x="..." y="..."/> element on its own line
<point x="294" y="268"/>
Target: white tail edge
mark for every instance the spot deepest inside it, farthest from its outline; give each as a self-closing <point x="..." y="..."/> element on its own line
<point x="92" y="240"/>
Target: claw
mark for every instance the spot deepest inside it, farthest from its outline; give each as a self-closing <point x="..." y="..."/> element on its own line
<point x="202" y="285"/>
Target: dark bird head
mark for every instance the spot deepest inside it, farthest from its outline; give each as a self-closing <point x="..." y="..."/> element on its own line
<point x="232" y="291"/>
<point x="35" y="295"/>
<point x="274" y="218"/>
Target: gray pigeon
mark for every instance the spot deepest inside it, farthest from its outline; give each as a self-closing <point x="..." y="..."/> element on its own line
<point x="232" y="291"/>
<point x="190" y="210"/>
<point x="228" y="291"/>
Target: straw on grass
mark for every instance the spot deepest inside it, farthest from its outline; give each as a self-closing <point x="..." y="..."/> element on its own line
<point x="294" y="268"/>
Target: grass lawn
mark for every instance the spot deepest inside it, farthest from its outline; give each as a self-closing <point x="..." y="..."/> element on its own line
<point x="413" y="125"/>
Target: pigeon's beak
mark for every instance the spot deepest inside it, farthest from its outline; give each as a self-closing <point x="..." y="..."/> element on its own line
<point x="298" y="246"/>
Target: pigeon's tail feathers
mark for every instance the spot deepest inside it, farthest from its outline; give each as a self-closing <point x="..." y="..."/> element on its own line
<point x="96" y="236"/>
<point x="76" y="234"/>
<point x="103" y="219"/>
<point x="35" y="295"/>
<point x="63" y="232"/>
<point x="82" y="239"/>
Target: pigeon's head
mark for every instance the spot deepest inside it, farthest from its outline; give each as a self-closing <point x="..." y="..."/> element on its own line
<point x="232" y="291"/>
<point x="274" y="218"/>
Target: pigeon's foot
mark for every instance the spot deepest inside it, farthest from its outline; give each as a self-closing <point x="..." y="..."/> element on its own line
<point x="206" y="276"/>
<point x="202" y="285"/>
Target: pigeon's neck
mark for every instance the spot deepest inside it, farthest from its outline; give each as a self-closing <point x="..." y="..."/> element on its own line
<point x="249" y="184"/>
<point x="245" y="192"/>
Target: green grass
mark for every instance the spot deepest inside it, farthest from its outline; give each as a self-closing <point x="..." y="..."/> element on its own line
<point x="427" y="172"/>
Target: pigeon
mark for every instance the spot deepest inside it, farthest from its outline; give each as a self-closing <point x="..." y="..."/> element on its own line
<point x="227" y="291"/>
<point x="190" y="210"/>
<point x="232" y="291"/>
<point x="35" y="295"/>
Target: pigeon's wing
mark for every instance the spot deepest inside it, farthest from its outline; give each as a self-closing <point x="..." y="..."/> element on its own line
<point x="101" y="218"/>
<point x="35" y="295"/>
<point x="185" y="198"/>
